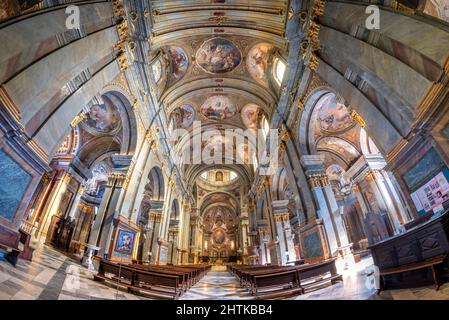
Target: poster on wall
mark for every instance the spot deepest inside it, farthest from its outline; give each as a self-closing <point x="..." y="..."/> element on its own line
<point x="431" y="195"/>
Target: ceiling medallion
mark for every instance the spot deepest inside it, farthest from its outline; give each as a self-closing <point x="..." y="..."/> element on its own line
<point x="218" y="107"/>
<point x="218" y="55"/>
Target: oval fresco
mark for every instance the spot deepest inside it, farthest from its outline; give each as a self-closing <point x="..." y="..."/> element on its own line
<point x="103" y="118"/>
<point x="332" y="115"/>
<point x="180" y="62"/>
<point x="249" y="114"/>
<point x="218" y="55"/>
<point x="219" y="236"/>
<point x="257" y="61"/>
<point x="184" y="115"/>
<point x="218" y="107"/>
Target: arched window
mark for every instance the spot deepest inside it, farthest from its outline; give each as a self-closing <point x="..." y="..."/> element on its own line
<point x="157" y="70"/>
<point x="279" y="70"/>
<point x="219" y="176"/>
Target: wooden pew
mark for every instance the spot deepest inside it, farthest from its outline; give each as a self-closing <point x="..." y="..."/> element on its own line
<point x="276" y="285"/>
<point x="165" y="281"/>
<point x="316" y="275"/>
<point x="281" y="281"/>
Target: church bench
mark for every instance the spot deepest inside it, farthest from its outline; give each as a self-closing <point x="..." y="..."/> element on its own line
<point x="183" y="277"/>
<point x="247" y="277"/>
<point x="430" y="263"/>
<point x="276" y="285"/>
<point x="120" y="273"/>
<point x="133" y="279"/>
<point x="157" y="284"/>
<point x="9" y="242"/>
<point x="312" y="276"/>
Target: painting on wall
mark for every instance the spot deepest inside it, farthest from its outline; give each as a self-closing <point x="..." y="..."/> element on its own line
<point x="218" y="108"/>
<point x="257" y="61"/>
<point x="13" y="183"/>
<point x="332" y="115"/>
<point x="218" y="55"/>
<point x="125" y="242"/>
<point x="103" y="118"/>
<point x="180" y="62"/>
<point x="250" y="112"/>
<point x="312" y="245"/>
<point x="184" y="115"/>
<point x="423" y="170"/>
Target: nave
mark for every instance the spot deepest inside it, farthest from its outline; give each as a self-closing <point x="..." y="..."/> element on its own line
<point x="49" y="277"/>
<point x="152" y="143"/>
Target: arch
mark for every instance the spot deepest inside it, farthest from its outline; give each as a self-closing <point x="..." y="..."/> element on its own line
<point x="155" y="186"/>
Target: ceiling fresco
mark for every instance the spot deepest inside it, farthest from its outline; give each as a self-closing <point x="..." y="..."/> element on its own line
<point x="249" y="115"/>
<point x="257" y="61"/>
<point x="333" y="116"/>
<point x="179" y="62"/>
<point x="218" y="55"/>
<point x="218" y="107"/>
<point x="184" y="115"/>
<point x="102" y="118"/>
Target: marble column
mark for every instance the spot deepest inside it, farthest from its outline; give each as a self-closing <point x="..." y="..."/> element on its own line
<point x="264" y="237"/>
<point x="109" y="208"/>
<point x="283" y="230"/>
<point x="154" y="224"/>
<point x="76" y="202"/>
<point x="62" y="179"/>
<point x="173" y="233"/>
<point x="368" y="171"/>
<point x="329" y="211"/>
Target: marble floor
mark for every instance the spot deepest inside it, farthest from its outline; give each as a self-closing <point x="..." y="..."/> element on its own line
<point x="54" y="276"/>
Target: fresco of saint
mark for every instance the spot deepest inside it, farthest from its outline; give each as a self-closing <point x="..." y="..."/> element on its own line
<point x="218" y="55"/>
<point x="333" y="116"/>
<point x="180" y="62"/>
<point x="102" y="117"/>
<point x="257" y="61"/>
<point x="184" y="115"/>
<point x="250" y="112"/>
<point x="218" y="108"/>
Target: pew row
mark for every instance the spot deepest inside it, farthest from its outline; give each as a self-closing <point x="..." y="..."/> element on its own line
<point x="160" y="281"/>
<point x="283" y="281"/>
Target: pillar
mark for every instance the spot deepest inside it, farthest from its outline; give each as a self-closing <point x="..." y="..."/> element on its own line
<point x="283" y="230"/>
<point x="109" y="208"/>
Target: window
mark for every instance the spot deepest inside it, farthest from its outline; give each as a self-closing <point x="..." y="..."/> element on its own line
<point x="279" y="70"/>
<point x="157" y="70"/>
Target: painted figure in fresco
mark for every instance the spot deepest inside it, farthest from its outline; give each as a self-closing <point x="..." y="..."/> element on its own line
<point x="218" y="56"/>
<point x="333" y="116"/>
<point x="179" y="62"/>
<point x="218" y="108"/>
<point x="250" y="112"/>
<point x="257" y="61"/>
<point x="184" y="115"/>
<point x="102" y="117"/>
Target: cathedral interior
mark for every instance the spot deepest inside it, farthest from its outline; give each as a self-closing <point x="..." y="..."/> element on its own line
<point x="231" y="149"/>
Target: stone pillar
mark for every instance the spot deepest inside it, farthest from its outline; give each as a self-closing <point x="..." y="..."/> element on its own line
<point x="76" y="203"/>
<point x="264" y="237"/>
<point x="329" y="211"/>
<point x="154" y="224"/>
<point x="283" y="230"/>
<point x="368" y="170"/>
<point x="173" y="233"/>
<point x="62" y="179"/>
<point x="109" y="208"/>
